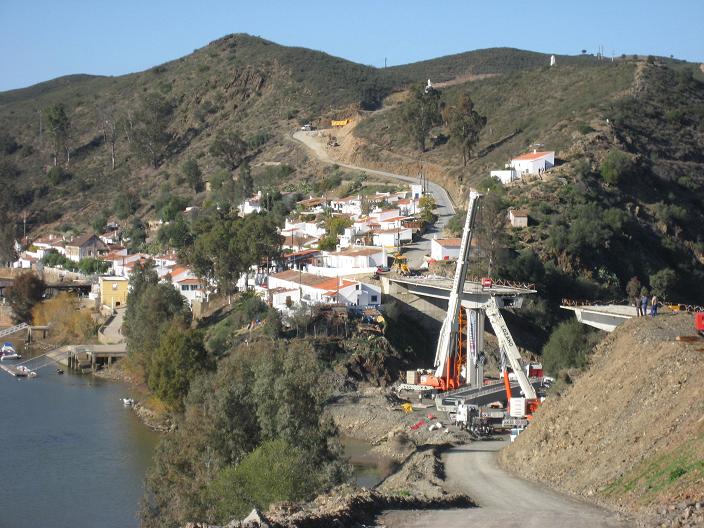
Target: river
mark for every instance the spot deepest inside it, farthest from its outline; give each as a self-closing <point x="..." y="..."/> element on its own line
<point x="72" y="455"/>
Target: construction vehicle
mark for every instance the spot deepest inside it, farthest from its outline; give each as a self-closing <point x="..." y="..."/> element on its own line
<point x="448" y="354"/>
<point x="451" y="367"/>
<point x="401" y="265"/>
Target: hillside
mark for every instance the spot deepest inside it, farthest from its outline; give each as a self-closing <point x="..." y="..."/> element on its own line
<point x="585" y="229"/>
<point x="629" y="432"/>
<point x="238" y="83"/>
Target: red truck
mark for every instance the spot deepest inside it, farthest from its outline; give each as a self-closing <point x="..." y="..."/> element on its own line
<point x="699" y="322"/>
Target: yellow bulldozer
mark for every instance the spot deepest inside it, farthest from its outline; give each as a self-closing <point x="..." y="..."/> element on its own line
<point x="401" y="265"/>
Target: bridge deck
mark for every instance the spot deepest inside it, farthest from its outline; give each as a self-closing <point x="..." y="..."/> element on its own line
<point x="472" y="287"/>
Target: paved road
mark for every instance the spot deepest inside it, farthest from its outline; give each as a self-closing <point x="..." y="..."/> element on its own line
<point x="445" y="209"/>
<point x="504" y="501"/>
<point x="113" y="331"/>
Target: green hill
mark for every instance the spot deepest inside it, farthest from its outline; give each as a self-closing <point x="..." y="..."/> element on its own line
<point x="583" y="108"/>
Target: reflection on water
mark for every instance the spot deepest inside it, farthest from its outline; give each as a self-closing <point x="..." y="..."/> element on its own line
<point x="369" y="468"/>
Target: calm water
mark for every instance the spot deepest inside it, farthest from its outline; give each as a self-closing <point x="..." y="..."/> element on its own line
<point x="369" y="468"/>
<point x="72" y="456"/>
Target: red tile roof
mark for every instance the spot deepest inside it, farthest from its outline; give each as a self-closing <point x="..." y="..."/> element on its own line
<point x="449" y="242"/>
<point x="532" y="156"/>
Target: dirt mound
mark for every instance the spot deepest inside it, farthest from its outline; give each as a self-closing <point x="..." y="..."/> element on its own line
<point x="630" y="432"/>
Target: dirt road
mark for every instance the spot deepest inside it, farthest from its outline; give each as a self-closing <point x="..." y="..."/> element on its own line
<point x="445" y="209"/>
<point x="504" y="501"/>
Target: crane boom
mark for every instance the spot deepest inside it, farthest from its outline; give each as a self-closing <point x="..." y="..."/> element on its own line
<point x="508" y="345"/>
<point x="450" y="326"/>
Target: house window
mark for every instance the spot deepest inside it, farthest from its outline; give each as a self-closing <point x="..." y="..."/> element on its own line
<point x="194" y="287"/>
<point x="357" y="287"/>
<point x="375" y="298"/>
<point x="184" y="287"/>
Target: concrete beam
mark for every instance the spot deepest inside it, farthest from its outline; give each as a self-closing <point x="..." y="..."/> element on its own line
<point x="603" y="317"/>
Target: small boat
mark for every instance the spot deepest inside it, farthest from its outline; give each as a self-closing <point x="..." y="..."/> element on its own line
<point x="59" y="371"/>
<point x="8" y="352"/>
<point x="25" y="371"/>
<point x="127" y="402"/>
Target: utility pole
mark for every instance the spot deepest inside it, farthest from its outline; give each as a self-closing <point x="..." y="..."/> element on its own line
<point x="24" y="225"/>
<point x="384" y="62"/>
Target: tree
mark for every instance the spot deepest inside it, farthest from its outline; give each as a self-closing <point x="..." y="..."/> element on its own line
<point x="633" y="289"/>
<point x="7" y="238"/>
<point x="151" y="306"/>
<point x="149" y="132"/>
<point x="100" y="222"/>
<point x="179" y="357"/>
<point x="568" y="346"/>
<point x="246" y="179"/>
<point x="26" y="291"/>
<point x="126" y="203"/>
<point x="427" y="206"/>
<point x="109" y="127"/>
<point x="617" y="166"/>
<point x="421" y="113"/>
<point x="59" y="127"/>
<point x="137" y="234"/>
<point x="663" y="283"/>
<point x="230" y="148"/>
<point x="193" y="174"/>
<point x="334" y="226"/>
<point x="465" y="125"/>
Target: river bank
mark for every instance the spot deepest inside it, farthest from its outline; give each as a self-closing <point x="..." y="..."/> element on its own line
<point x="150" y="411"/>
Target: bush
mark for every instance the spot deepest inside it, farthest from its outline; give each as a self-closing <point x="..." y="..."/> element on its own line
<point x="568" y="346"/>
<point x="616" y="167"/>
<point x="126" y="204"/>
<point x="58" y="175"/>
<point x="288" y="477"/>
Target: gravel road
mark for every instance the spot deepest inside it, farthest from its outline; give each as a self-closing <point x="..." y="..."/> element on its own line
<point x="504" y="501"/>
<point x="445" y="209"/>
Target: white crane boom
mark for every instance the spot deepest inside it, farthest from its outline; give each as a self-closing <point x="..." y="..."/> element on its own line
<point x="507" y="344"/>
<point x="450" y="326"/>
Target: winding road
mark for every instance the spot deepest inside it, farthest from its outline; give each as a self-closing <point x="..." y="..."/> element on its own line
<point x="504" y="501"/>
<point x="445" y="208"/>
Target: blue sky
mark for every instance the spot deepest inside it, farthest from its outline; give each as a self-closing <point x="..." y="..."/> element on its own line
<point x="44" y="39"/>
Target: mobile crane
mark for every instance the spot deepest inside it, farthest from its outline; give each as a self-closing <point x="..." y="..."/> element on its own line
<point x="449" y="359"/>
<point x="448" y="354"/>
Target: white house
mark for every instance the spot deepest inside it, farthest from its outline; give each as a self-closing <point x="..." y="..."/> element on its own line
<point x="351" y="205"/>
<point x="518" y="217"/>
<point x="416" y="191"/>
<point x="445" y="248"/>
<point x="293" y="286"/>
<point x="251" y="205"/>
<point x="391" y="238"/>
<point x="532" y="162"/>
<point x="191" y="288"/>
<point x="505" y="175"/>
<point x="355" y="260"/>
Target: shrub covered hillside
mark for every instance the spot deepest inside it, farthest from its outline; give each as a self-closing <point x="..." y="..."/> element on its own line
<point x="83" y="148"/>
<point x="625" y="199"/>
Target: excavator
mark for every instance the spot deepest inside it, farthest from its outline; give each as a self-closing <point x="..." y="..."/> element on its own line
<point x="450" y="362"/>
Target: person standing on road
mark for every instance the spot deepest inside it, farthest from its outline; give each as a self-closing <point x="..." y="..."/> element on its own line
<point x="654" y="306"/>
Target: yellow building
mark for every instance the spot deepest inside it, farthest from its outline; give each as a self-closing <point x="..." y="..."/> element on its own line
<point x="113" y="291"/>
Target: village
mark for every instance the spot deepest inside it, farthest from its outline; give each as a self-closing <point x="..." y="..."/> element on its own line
<point x="379" y="227"/>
